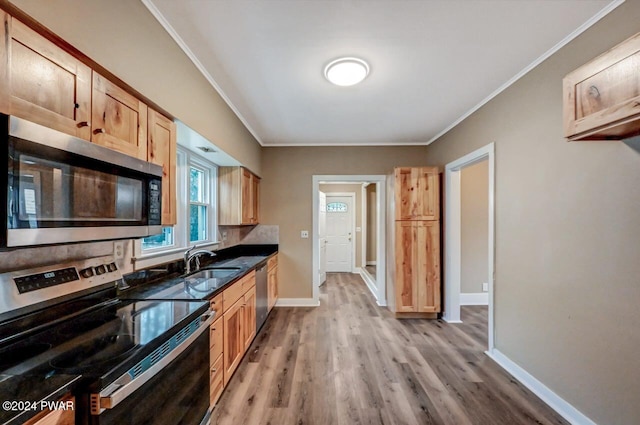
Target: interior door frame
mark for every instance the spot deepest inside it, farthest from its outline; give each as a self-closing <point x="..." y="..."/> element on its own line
<point x="452" y="245"/>
<point x="381" y="187"/>
<point x="352" y="218"/>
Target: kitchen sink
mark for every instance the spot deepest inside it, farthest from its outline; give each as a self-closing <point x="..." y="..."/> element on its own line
<point x="216" y="273"/>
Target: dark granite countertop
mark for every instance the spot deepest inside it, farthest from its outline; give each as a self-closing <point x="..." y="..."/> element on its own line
<point x="172" y="285"/>
<point x="30" y="391"/>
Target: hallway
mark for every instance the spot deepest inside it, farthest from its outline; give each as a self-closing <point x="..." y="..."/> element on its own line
<point x="350" y="362"/>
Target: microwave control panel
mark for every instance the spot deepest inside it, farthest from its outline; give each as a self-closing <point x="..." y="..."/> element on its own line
<point x="155" y="202"/>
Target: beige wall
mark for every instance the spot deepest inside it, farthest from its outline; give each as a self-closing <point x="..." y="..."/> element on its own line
<point x="372" y="217"/>
<point x="567" y="235"/>
<point x="474" y="227"/>
<point x="350" y="188"/>
<point x="125" y="38"/>
<point x="286" y="197"/>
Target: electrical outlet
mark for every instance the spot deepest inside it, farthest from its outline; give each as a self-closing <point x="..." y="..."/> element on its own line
<point x="485" y="287"/>
<point x="304" y="234"/>
<point x="224" y="236"/>
<point x="118" y="250"/>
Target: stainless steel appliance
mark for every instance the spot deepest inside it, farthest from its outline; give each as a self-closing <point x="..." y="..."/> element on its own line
<point x="62" y="330"/>
<point x="61" y="189"/>
<point x="262" y="307"/>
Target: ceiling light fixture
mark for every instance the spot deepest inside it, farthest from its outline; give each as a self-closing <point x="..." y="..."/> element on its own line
<point x="346" y="71"/>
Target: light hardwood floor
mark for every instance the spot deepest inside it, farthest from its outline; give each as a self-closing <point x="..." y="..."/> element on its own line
<point x="350" y="362"/>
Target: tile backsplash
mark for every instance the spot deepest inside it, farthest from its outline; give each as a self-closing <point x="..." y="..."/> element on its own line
<point x="24" y="258"/>
<point x="261" y="234"/>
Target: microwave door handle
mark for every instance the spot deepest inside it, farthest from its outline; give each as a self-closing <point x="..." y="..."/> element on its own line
<point x="124" y="386"/>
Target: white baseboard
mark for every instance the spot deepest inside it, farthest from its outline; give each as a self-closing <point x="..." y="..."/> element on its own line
<point x="557" y="403"/>
<point x="297" y="302"/>
<point x="369" y="282"/>
<point x="371" y="263"/>
<point x="478" y="298"/>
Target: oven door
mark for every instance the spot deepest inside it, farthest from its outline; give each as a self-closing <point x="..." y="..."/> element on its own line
<point x="174" y="392"/>
<point x="63" y="189"/>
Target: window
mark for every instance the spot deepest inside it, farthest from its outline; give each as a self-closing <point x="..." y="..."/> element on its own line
<point x="198" y="206"/>
<point x="336" y="207"/>
<point x="196" y="209"/>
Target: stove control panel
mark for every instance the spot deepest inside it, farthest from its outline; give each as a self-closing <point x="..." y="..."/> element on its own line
<point x="28" y="287"/>
<point x="44" y="280"/>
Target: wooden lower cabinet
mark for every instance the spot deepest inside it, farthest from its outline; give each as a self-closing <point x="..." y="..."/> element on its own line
<point x="233" y="338"/>
<point x="272" y="282"/>
<point x="55" y="417"/>
<point x="417" y="267"/>
<point x="239" y="322"/>
<point x="216" y="381"/>
<point x="249" y="316"/>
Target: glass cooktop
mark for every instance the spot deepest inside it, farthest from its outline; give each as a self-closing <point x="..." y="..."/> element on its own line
<point x="101" y="344"/>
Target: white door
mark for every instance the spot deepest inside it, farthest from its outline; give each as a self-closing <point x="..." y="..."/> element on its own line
<point x="339" y="235"/>
<point x="322" y="237"/>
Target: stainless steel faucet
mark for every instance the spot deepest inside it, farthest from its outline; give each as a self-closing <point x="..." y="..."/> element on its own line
<point x="189" y="255"/>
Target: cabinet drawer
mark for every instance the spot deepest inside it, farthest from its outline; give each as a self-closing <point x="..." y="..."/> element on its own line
<point x="216" y="383"/>
<point x="272" y="262"/>
<point x="215" y="341"/>
<point x="249" y="281"/>
<point x="232" y="294"/>
<point x="216" y="305"/>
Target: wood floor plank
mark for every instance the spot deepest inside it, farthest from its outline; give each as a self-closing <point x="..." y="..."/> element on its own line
<point x="350" y="361"/>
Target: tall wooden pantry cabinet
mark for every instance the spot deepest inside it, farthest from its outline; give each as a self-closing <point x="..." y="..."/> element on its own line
<point x="413" y="235"/>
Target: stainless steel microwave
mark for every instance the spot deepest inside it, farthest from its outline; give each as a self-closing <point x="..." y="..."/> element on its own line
<point x="62" y="189"/>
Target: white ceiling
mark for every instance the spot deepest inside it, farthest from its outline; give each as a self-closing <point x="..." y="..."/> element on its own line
<point x="432" y="61"/>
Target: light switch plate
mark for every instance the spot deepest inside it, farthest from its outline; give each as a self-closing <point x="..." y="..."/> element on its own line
<point x="485" y="287"/>
<point x="304" y="234"/>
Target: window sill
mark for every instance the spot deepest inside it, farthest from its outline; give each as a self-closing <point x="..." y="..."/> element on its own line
<point x="154" y="258"/>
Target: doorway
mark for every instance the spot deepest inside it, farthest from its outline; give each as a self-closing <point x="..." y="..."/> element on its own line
<point x="453" y="235"/>
<point x="340" y="232"/>
<point x="377" y="287"/>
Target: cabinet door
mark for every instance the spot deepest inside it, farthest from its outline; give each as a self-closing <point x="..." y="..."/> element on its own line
<point x="602" y="97"/>
<point x="247" y="206"/>
<point x="406" y="271"/>
<point x="272" y="282"/>
<point x="417" y="266"/>
<point x="216" y="382"/>
<point x="233" y="339"/>
<point x="249" y="313"/>
<point x="162" y="151"/>
<point x="216" y="341"/>
<point x="417" y="193"/>
<point x="255" y="199"/>
<point x="48" y="86"/>
<point x="5" y="46"/>
<point x="119" y="120"/>
<point x="427" y="249"/>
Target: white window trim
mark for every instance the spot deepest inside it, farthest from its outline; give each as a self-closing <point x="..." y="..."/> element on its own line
<point x="154" y="256"/>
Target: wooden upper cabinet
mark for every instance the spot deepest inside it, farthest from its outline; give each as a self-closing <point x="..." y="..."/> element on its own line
<point x="417" y="193"/>
<point x="48" y="86"/>
<point x="602" y="97"/>
<point x="5" y="88"/>
<point x="119" y="119"/>
<point x="417" y="267"/>
<point x="162" y="151"/>
<point x="239" y="195"/>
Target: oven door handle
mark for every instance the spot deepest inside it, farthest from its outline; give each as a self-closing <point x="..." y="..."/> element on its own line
<point x="124" y="386"/>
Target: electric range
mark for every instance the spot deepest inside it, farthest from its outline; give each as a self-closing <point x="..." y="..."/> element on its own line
<point x="62" y="330"/>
